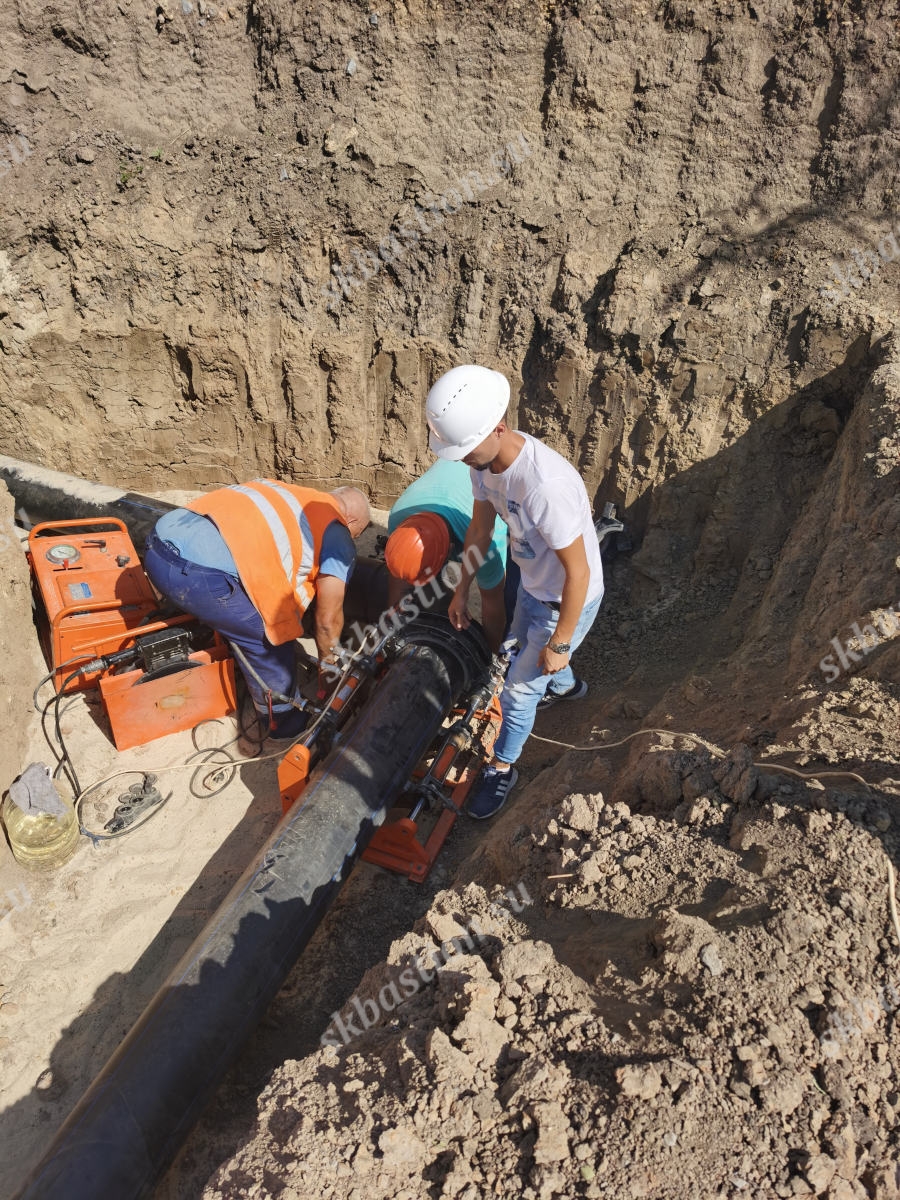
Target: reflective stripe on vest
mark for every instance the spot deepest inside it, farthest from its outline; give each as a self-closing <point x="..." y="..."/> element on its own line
<point x="274" y="532"/>
<point x="308" y="556"/>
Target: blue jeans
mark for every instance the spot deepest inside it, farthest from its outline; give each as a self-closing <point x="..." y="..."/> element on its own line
<point x="532" y="626"/>
<point x="219" y="599"/>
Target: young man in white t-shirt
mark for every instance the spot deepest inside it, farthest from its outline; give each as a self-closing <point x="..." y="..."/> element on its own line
<point x="544" y="502"/>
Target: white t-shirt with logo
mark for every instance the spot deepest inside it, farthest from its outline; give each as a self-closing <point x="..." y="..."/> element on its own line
<point x="543" y="500"/>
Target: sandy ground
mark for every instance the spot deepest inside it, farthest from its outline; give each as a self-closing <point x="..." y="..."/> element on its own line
<point x="84" y="948"/>
<point x="90" y="943"/>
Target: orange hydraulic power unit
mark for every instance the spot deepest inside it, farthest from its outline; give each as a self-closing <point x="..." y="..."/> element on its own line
<point x="93" y="591"/>
<point x="96" y="600"/>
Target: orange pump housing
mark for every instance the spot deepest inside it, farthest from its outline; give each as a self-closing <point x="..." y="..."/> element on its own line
<point x="93" y="590"/>
<point x="96" y="600"/>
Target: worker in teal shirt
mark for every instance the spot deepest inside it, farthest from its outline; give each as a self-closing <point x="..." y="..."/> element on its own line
<point x="427" y="527"/>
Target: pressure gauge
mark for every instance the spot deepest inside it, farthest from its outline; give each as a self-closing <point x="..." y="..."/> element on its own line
<point x="63" y="552"/>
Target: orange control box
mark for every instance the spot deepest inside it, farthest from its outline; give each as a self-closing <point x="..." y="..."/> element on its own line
<point x="142" y="708"/>
<point x="92" y="589"/>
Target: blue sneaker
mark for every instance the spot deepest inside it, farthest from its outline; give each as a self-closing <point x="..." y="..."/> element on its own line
<point x="490" y="791"/>
<point x="577" y="691"/>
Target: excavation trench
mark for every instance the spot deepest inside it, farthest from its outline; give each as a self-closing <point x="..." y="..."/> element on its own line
<point x="673" y="232"/>
<point x="678" y="643"/>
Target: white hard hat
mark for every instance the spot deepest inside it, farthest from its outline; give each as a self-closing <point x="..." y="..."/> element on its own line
<point x="463" y="407"/>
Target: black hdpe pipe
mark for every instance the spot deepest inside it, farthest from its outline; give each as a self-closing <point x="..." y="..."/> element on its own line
<point x="131" y="1122"/>
<point x="44" y="495"/>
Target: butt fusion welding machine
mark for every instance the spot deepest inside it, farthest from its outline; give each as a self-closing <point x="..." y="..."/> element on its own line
<point x="100" y="626"/>
<point x="438" y="788"/>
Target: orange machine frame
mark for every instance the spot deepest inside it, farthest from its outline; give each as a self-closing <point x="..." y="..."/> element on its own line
<point x="396" y="845"/>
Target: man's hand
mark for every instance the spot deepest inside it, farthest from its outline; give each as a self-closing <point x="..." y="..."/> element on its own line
<point x="329" y="674"/>
<point x="550" y="662"/>
<point x="329" y="614"/>
<point x="458" y="612"/>
<point x="478" y="536"/>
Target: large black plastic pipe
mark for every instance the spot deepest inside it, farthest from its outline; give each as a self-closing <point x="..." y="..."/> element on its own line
<point x="130" y="1123"/>
<point x="45" y="495"/>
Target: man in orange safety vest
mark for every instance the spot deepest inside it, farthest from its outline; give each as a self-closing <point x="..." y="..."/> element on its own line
<point x="251" y="561"/>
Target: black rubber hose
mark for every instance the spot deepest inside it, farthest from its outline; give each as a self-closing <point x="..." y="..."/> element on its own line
<point x="129" y="1125"/>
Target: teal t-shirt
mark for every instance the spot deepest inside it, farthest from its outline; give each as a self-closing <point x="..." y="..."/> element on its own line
<point x="446" y="489"/>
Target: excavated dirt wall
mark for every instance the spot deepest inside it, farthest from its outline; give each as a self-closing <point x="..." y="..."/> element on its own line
<point x="657" y="195"/>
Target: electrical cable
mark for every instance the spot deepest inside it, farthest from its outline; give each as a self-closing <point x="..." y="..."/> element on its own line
<point x="61" y="756"/>
<point x="243" y="733"/>
<point x="714" y="750"/>
<point x="84" y="659"/>
<point x="271" y="694"/>
<point x="69" y="769"/>
<point x="59" y="752"/>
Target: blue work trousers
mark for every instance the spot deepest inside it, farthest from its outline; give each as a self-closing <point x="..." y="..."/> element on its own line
<point x="219" y="599"/>
<point x="533" y="624"/>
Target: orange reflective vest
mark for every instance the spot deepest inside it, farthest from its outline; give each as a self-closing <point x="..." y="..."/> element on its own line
<point x="274" y="532"/>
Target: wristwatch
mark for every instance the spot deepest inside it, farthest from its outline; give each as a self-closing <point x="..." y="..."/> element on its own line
<point x="559" y="647"/>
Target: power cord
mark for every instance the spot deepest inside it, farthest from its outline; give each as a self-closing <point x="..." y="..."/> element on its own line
<point x="60" y="752"/>
<point x="714" y="750"/>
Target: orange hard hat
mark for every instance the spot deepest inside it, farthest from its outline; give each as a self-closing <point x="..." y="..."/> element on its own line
<point x="418" y="547"/>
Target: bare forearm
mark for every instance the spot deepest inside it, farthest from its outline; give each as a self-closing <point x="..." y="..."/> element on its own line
<point x="474" y="553"/>
<point x="571" y="604"/>
<point x="327" y="634"/>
